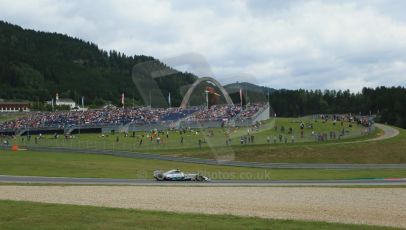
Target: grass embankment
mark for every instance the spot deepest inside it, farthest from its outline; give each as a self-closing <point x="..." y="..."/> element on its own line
<point x="215" y="137"/>
<point x="27" y="163"/>
<point x="392" y="150"/>
<point x="303" y="150"/>
<point x="31" y="215"/>
<point x="9" y="116"/>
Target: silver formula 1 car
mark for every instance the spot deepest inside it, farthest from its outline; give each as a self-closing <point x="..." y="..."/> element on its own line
<point x="177" y="175"/>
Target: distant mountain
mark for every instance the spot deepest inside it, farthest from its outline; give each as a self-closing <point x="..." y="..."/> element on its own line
<point x="248" y="86"/>
<point x="254" y="93"/>
<point x="37" y="65"/>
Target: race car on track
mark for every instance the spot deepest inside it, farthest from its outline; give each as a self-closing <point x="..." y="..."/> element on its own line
<point x="177" y="175"/>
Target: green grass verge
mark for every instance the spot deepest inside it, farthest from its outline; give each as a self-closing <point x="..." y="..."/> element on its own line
<point x="16" y="215"/>
<point x="197" y="185"/>
<point x="28" y="163"/>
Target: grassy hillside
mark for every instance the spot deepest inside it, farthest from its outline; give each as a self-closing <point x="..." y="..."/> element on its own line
<point x="349" y="149"/>
<point x="9" y="116"/>
<point x="392" y="150"/>
<point x="215" y="137"/>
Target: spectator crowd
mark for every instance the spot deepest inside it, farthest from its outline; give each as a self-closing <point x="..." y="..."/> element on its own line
<point x="119" y="116"/>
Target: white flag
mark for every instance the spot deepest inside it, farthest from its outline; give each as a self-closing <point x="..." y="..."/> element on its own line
<point x="241" y="96"/>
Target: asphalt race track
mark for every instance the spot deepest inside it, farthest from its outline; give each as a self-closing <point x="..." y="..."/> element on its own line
<point x="151" y="182"/>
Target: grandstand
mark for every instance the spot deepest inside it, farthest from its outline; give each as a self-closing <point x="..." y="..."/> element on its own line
<point x="143" y="118"/>
<point x="131" y="119"/>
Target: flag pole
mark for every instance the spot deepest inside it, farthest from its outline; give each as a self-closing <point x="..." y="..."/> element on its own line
<point x="122" y="99"/>
<point x="241" y="97"/>
<point x="169" y="100"/>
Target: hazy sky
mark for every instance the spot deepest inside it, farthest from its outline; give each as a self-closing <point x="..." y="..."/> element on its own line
<point x="282" y="44"/>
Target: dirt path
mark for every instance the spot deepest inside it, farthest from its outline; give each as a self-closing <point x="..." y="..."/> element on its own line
<point x="389" y="132"/>
<point x="373" y="206"/>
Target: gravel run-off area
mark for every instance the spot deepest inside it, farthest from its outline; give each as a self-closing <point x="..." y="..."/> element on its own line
<point x="372" y="206"/>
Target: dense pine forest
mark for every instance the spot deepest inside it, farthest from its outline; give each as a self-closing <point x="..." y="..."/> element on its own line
<point x="389" y="104"/>
<point x="36" y="65"/>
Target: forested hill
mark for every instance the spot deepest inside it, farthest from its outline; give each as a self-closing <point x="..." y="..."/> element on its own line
<point x="37" y="65"/>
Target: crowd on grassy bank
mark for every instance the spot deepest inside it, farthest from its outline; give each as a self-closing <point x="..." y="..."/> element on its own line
<point x="225" y="112"/>
<point x="118" y="116"/>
